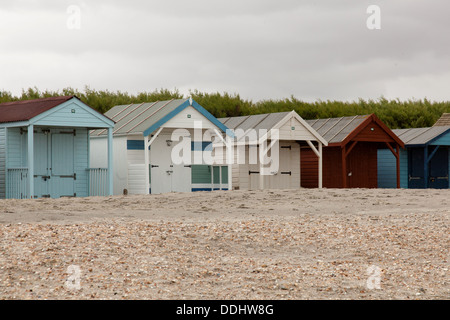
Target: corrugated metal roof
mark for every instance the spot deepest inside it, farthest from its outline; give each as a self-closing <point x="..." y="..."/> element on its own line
<point x="27" y="109"/>
<point x="136" y="118"/>
<point x="335" y="130"/>
<point x="258" y="121"/>
<point x="420" y="136"/>
<point x="444" y="120"/>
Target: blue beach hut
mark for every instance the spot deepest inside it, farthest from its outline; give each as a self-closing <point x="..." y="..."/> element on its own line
<point x="44" y="149"/>
<point x="424" y="163"/>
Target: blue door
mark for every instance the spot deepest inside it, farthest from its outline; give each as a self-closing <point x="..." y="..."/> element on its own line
<point x="438" y="169"/>
<point x="62" y="164"/>
<point x="41" y="165"/>
<point x="416" y="168"/>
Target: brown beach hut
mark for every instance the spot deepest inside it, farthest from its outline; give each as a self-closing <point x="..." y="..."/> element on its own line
<point x="350" y="159"/>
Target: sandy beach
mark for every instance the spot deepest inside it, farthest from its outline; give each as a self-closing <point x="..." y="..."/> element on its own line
<point x="272" y="244"/>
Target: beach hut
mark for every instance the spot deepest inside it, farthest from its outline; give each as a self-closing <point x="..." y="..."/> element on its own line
<point x="284" y="133"/>
<point x="147" y="139"/>
<point x="44" y="149"/>
<point x="424" y="163"/>
<point x="350" y="159"/>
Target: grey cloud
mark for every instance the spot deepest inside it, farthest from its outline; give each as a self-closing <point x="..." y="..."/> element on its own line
<point x="261" y="49"/>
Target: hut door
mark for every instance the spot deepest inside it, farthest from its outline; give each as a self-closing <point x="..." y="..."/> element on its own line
<point x="62" y="164"/>
<point x="438" y="169"/>
<point x="416" y="168"/>
<point x="166" y="176"/>
<point x="41" y="165"/>
<point x="285" y="170"/>
<point x="253" y="167"/>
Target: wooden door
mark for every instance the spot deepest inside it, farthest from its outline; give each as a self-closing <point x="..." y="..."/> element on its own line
<point x="416" y="171"/>
<point x="62" y="164"/>
<point x="41" y="165"/>
<point x="438" y="169"/>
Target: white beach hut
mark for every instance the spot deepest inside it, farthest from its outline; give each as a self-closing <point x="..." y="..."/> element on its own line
<point x="147" y="139"/>
<point x="286" y="132"/>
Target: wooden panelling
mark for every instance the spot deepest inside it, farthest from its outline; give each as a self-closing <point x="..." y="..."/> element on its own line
<point x="372" y="133"/>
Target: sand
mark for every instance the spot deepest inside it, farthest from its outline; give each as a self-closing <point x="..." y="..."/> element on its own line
<point x="273" y="244"/>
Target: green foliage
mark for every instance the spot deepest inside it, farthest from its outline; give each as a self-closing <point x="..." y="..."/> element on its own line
<point x="395" y="113"/>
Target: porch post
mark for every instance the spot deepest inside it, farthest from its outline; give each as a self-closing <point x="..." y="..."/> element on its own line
<point x="320" y="165"/>
<point x="425" y="166"/>
<point x="147" y="165"/>
<point x="30" y="161"/>
<point x="110" y="162"/>
<point x="397" y="149"/>
<point x="261" y="167"/>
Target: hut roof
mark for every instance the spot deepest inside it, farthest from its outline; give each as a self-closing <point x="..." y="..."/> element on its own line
<point x="335" y="130"/>
<point x="259" y="121"/>
<point x="25" y="110"/>
<point x="444" y="120"/>
<point x="421" y="136"/>
<point x="339" y="131"/>
<point x="144" y="118"/>
<point x="267" y="122"/>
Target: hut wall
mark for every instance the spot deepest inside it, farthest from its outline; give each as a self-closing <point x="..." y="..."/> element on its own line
<point x="361" y="165"/>
<point x="2" y="163"/>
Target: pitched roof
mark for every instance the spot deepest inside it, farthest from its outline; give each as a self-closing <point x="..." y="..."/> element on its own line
<point x="444" y="120"/>
<point x="421" y="136"/>
<point x="144" y="118"/>
<point x="27" y="109"/>
<point x="266" y="122"/>
<point x="340" y="131"/>
<point x="335" y="130"/>
<point x="259" y="121"/>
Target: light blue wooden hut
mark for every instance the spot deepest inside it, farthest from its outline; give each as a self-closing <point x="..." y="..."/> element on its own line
<point x="55" y="132"/>
<point x="424" y="163"/>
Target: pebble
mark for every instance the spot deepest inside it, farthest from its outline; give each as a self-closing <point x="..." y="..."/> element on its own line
<point x="273" y="254"/>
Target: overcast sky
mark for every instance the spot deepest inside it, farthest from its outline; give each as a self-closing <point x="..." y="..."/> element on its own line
<point x="258" y="48"/>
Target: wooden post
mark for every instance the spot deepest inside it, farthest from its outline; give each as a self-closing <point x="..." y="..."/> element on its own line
<point x="261" y="167"/>
<point x="397" y="149"/>
<point x="110" y="162"/>
<point x="30" y="161"/>
<point x="212" y="178"/>
<point x="425" y="166"/>
<point x="320" y="165"/>
<point x="147" y="165"/>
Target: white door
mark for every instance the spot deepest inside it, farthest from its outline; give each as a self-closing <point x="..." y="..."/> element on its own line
<point x="285" y="171"/>
<point x="253" y="168"/>
<point x="166" y="176"/>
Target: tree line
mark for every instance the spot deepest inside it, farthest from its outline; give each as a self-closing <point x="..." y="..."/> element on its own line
<point x="395" y="113"/>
